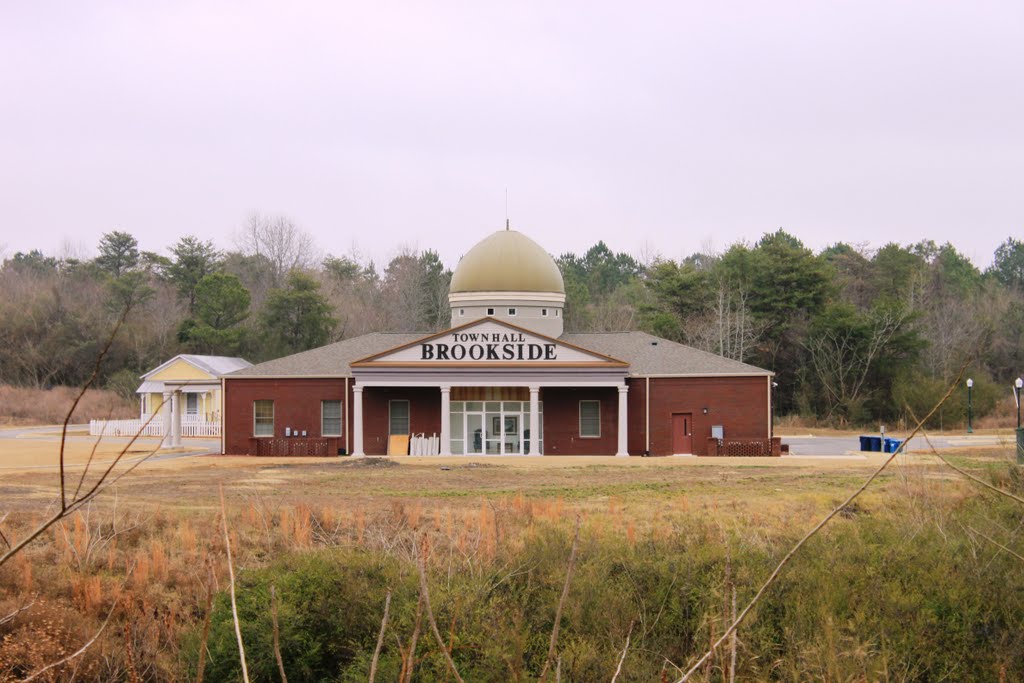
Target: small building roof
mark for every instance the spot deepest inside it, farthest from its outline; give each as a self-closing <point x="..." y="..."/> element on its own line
<point x="645" y="353"/>
<point x="212" y="365"/>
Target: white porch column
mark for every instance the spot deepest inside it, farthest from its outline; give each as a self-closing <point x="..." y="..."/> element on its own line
<point x="445" y="447"/>
<point x="176" y="419"/>
<point x="534" y="420"/>
<point x="165" y="414"/>
<point x="623" y="393"/>
<point x="357" y="421"/>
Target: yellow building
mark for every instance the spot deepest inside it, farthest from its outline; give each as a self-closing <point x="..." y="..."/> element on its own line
<point x="196" y="378"/>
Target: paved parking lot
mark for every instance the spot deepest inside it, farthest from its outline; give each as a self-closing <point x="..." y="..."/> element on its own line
<point x="850" y="445"/>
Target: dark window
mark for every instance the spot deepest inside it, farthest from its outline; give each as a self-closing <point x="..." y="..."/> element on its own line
<point x="590" y="419"/>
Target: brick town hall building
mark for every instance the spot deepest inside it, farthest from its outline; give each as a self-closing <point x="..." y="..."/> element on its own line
<point x="504" y="380"/>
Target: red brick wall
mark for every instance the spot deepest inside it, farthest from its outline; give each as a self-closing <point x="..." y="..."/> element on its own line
<point x="424" y="414"/>
<point x="740" y="404"/>
<point x="296" y="405"/>
<point x="562" y="421"/>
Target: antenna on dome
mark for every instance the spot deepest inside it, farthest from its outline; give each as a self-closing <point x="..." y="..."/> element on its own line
<point x="507" y="221"/>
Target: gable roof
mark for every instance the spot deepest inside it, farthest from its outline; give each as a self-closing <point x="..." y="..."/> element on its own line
<point x="650" y="355"/>
<point x="212" y="365"/>
<point x="332" y="360"/>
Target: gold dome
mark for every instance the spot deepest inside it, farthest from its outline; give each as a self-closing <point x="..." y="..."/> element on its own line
<point x="507" y="261"/>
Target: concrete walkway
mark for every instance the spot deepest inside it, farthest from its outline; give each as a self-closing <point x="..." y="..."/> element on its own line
<point x="850" y="445"/>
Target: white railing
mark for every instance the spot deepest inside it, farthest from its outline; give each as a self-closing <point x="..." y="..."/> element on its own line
<point x="190" y="427"/>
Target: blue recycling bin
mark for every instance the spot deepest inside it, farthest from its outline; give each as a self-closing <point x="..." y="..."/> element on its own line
<point x="876" y="443"/>
<point x="865" y="443"/>
<point x="892" y="445"/>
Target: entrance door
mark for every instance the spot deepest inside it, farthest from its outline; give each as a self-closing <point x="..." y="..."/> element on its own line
<point x="682" y="433"/>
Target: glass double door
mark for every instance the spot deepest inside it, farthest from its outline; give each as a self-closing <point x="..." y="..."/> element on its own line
<point x="493" y="428"/>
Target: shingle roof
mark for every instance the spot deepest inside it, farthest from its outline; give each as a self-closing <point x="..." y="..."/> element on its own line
<point x="650" y="355"/>
<point x="645" y="353"/>
<point x="331" y="360"/>
<point x="217" y="365"/>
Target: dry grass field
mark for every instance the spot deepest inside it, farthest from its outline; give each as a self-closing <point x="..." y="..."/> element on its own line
<point x="148" y="551"/>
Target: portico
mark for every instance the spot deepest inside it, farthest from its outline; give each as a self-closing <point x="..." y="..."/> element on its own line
<point x="491" y="377"/>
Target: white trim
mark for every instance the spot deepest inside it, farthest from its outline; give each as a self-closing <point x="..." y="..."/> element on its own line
<point x="273" y="415"/>
<point x="590" y="436"/>
<point x="622" y="449"/>
<point x="223" y="420"/>
<point x="713" y="375"/>
<point x="462" y="298"/>
<point x="341" y="405"/>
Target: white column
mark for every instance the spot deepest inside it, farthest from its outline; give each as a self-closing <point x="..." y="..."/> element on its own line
<point x="623" y="394"/>
<point x="176" y="419"/>
<point x="445" y="447"/>
<point x="165" y="414"/>
<point x="357" y="421"/>
<point x="534" y="420"/>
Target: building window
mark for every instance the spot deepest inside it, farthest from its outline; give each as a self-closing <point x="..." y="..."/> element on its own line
<point x="590" y="419"/>
<point x="462" y="312"/>
<point x="330" y="418"/>
<point x="557" y="313"/>
<point x="511" y="311"/>
<point x="490" y="311"/>
<point x="263" y="418"/>
<point x="544" y="312"/>
<point x="191" y="404"/>
<point x="398" y="418"/>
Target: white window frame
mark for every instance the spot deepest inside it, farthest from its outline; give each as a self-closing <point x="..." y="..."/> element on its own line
<point x="341" y="416"/>
<point x="490" y="311"/>
<point x="273" y="412"/>
<point x="191" y="396"/>
<point x="408" y="414"/>
<point x="590" y="436"/>
<point x="462" y="312"/>
<point x="544" y="312"/>
<point x="511" y="312"/>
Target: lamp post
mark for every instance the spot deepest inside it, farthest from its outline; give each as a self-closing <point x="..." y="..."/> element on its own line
<point x="1017" y="385"/>
<point x="970" y="406"/>
<point x="1020" y="432"/>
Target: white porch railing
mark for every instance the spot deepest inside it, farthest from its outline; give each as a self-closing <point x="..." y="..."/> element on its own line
<point x="191" y="426"/>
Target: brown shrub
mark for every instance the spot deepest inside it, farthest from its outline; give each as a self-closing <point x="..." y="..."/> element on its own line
<point x="24" y="405"/>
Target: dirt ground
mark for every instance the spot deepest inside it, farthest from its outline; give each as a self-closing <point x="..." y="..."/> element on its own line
<point x="28" y="478"/>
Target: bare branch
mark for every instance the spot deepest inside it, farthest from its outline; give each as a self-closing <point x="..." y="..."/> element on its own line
<point x="277" y="633"/>
<point x="231" y="576"/>
<point x="561" y="602"/>
<point x="10" y="617"/>
<point x="380" y="637"/>
<point x="77" y="652"/>
<point x="997" y="544"/>
<point x="625" y="649"/>
<point x="425" y="592"/>
<point x="201" y="667"/>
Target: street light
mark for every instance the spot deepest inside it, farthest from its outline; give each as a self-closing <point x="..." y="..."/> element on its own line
<point x="1020" y="433"/>
<point x="1017" y="385"/>
<point x="970" y="406"/>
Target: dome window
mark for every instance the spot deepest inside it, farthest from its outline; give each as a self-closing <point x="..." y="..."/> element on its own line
<point x="490" y="311"/>
<point x="544" y="312"/>
<point x="462" y="312"/>
<point x="511" y="311"/>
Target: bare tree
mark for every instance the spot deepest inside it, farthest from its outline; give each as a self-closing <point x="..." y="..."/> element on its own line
<point x="279" y="241"/>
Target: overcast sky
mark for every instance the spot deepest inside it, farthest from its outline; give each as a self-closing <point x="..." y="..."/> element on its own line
<point x="659" y="127"/>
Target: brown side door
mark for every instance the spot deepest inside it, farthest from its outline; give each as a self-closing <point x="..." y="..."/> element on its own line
<point x="682" y="433"/>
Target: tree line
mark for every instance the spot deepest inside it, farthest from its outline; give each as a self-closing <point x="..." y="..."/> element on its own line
<point x="853" y="334"/>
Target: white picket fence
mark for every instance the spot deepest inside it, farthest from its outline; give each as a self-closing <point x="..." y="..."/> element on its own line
<point x="190" y="427"/>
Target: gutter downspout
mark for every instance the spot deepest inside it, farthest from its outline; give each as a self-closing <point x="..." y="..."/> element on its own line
<point x="348" y="437"/>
